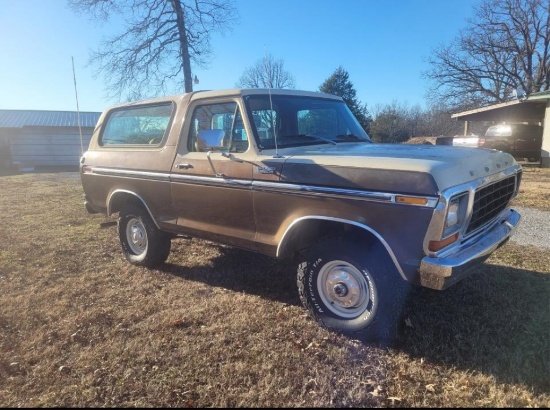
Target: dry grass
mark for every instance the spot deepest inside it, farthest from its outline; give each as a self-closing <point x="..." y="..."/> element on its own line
<point x="535" y="187"/>
<point x="80" y="327"/>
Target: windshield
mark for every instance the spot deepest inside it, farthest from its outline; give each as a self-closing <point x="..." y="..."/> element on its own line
<point x="291" y="121"/>
<point x="499" y="131"/>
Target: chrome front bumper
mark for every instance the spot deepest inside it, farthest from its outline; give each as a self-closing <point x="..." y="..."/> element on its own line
<point x="442" y="272"/>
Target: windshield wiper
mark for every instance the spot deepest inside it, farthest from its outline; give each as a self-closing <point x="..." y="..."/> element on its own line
<point x="351" y="137"/>
<point x="316" y="137"/>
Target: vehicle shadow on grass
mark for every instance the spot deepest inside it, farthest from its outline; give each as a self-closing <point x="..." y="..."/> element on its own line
<point x="243" y="271"/>
<point x="496" y="322"/>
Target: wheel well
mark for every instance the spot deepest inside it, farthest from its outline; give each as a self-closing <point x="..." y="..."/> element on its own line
<point x="307" y="232"/>
<point x="119" y="199"/>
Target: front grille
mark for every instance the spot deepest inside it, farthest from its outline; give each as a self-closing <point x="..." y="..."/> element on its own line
<point x="490" y="201"/>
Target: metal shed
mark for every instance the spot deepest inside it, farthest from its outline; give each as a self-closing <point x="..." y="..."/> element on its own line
<point x="534" y="108"/>
<point x="32" y="138"/>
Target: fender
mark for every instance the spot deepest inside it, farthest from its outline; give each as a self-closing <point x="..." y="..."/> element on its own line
<point x="367" y="228"/>
<point x="117" y="192"/>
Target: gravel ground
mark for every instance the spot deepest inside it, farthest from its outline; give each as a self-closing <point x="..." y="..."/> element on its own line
<point x="533" y="229"/>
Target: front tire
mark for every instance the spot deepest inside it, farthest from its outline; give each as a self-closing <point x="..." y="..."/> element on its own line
<point x="142" y="243"/>
<point x="352" y="288"/>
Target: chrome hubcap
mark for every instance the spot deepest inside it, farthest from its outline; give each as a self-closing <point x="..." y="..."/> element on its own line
<point x="137" y="236"/>
<point x="344" y="289"/>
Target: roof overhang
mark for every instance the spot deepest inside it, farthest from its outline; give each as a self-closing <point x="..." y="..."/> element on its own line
<point x="532" y="109"/>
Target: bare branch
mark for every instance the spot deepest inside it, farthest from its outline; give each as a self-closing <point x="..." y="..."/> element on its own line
<point x="266" y="73"/>
<point x="505" y="46"/>
<point x="161" y="41"/>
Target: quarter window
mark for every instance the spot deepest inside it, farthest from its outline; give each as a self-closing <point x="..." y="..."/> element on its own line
<point x="145" y="125"/>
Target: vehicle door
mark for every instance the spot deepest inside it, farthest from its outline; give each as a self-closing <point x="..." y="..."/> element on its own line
<point x="527" y="139"/>
<point x="211" y="192"/>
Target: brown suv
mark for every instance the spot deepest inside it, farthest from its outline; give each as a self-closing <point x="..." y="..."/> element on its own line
<point x="519" y="140"/>
<point x="292" y="174"/>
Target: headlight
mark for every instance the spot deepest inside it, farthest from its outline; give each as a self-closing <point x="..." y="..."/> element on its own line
<point x="456" y="211"/>
<point x="452" y="215"/>
<point x="455" y="214"/>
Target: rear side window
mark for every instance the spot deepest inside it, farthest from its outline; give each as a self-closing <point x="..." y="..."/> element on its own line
<point x="143" y="125"/>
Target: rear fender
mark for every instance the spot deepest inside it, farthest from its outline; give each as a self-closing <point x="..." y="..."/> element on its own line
<point x="120" y="197"/>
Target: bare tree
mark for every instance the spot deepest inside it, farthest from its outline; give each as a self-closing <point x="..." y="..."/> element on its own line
<point x="160" y="41"/>
<point x="266" y="73"/>
<point x="504" y="47"/>
<point x="437" y="121"/>
<point x="391" y="123"/>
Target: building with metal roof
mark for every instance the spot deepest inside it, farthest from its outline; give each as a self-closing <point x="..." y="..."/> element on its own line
<point x="532" y="108"/>
<point x="34" y="138"/>
<point x="34" y="118"/>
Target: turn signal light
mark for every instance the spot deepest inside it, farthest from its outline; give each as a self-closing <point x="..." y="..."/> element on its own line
<point x="435" y="246"/>
<point x="411" y="200"/>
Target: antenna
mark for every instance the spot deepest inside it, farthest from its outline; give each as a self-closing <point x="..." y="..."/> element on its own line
<point x="269" y="85"/>
<point x="78" y="111"/>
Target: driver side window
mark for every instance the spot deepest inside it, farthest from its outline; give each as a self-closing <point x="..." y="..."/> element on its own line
<point x="226" y="119"/>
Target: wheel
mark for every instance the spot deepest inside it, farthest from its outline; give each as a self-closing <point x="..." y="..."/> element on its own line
<point x="352" y="288"/>
<point x="533" y="159"/>
<point x="142" y="242"/>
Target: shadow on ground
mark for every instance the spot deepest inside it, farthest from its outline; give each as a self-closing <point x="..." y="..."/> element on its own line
<point x="495" y="322"/>
<point x="244" y="271"/>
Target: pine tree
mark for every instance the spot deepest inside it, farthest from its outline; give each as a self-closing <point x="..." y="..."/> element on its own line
<point x="339" y="84"/>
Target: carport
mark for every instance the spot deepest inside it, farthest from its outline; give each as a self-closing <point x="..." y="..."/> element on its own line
<point x="534" y="108"/>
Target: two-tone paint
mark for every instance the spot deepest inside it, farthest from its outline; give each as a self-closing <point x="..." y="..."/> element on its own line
<point x="278" y="202"/>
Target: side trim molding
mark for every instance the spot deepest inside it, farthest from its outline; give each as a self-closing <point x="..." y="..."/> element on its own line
<point x="267" y="186"/>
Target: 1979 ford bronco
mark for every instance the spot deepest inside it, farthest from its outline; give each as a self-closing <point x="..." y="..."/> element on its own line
<point x="292" y="174"/>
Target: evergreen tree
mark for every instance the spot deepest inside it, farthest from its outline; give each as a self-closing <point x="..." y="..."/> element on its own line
<point x="339" y="84"/>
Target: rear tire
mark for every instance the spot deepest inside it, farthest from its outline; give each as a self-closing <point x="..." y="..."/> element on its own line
<point x="352" y="288"/>
<point x="142" y="243"/>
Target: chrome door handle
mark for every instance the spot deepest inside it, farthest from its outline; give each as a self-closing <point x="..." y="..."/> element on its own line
<point x="184" y="166"/>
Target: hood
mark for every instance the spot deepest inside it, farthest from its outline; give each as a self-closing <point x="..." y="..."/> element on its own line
<point x="417" y="169"/>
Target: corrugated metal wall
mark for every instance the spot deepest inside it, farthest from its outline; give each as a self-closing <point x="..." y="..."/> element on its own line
<point x="49" y="146"/>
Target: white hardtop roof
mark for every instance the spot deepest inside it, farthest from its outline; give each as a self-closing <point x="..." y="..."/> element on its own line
<point x="232" y="92"/>
<point x="261" y="91"/>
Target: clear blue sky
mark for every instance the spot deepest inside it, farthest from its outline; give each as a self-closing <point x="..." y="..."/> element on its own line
<point x="383" y="44"/>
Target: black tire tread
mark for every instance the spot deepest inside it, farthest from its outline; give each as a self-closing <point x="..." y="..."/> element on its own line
<point x="159" y="242"/>
<point x="390" y="285"/>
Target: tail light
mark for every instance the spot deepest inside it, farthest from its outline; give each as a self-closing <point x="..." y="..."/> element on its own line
<point x="480" y="142"/>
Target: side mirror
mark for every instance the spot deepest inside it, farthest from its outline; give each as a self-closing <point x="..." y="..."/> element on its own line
<point x="210" y="140"/>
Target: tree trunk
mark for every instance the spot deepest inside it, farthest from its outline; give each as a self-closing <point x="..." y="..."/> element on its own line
<point x="184" y="45"/>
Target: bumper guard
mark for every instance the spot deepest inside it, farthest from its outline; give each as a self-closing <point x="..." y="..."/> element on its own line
<point x="441" y="272"/>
